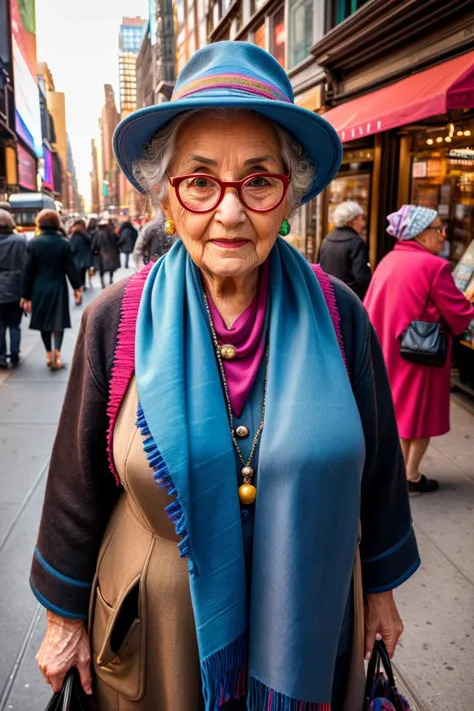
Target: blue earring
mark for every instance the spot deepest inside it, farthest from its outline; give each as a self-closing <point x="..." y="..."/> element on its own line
<point x="285" y="228"/>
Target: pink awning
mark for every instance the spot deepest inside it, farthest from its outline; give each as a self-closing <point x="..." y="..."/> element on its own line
<point x="434" y="91"/>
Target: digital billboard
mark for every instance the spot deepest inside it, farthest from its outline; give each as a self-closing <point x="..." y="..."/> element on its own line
<point x="27" y="109"/>
<point x="26" y="169"/>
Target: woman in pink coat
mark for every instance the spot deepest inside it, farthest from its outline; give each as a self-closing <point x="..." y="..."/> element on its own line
<point x="414" y="283"/>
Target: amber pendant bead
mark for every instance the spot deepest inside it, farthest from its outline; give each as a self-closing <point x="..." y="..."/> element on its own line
<point x="247" y="493"/>
<point x="228" y="351"/>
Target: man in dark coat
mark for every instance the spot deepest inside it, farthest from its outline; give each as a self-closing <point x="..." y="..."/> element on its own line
<point x="12" y="261"/>
<point x="81" y="247"/>
<point x="343" y="252"/>
<point x="126" y="240"/>
<point x="105" y="246"/>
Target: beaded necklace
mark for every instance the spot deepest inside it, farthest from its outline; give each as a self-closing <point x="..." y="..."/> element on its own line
<point x="247" y="491"/>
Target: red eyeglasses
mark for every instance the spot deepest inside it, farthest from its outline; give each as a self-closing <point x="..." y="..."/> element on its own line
<point x="260" y="192"/>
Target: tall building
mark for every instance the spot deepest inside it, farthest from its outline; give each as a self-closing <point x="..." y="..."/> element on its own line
<point x="56" y="106"/>
<point x="96" y="176"/>
<point x="108" y="123"/>
<point x="130" y="39"/>
<point x="156" y="70"/>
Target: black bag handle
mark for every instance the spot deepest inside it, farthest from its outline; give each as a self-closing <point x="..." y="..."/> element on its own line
<point x="380" y="657"/>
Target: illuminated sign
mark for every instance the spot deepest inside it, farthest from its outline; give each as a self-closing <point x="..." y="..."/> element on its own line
<point x="27" y="108"/>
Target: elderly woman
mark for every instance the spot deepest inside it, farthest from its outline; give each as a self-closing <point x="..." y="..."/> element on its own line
<point x="344" y="252"/>
<point x="223" y="570"/>
<point x="413" y="284"/>
<point x="44" y="289"/>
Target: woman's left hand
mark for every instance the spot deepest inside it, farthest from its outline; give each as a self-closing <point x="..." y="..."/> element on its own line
<point x="382" y="618"/>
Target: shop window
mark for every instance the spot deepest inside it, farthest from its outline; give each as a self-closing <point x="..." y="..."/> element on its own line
<point x="278" y="36"/>
<point x="259" y="37"/>
<point x="342" y="9"/>
<point x="305" y="27"/>
<point x="443" y="179"/>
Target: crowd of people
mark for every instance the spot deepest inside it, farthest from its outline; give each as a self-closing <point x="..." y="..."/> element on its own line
<point x="34" y="275"/>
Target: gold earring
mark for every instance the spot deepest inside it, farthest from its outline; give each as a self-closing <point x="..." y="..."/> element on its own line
<point x="170" y="227"/>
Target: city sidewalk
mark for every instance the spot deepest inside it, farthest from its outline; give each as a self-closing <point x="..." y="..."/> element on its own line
<point x="434" y="661"/>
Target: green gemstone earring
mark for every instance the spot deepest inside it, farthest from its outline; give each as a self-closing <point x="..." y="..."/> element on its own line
<point x="285" y="228"/>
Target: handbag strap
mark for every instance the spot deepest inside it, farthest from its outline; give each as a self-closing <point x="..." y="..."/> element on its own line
<point x="381" y="656"/>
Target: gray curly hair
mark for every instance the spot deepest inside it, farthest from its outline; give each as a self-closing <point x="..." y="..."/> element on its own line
<point x="150" y="170"/>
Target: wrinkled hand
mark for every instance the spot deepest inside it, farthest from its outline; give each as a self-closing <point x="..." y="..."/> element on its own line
<point x="382" y="618"/>
<point x="25" y="305"/>
<point x="65" y="645"/>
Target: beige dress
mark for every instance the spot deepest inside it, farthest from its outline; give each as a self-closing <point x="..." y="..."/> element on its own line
<point x="156" y="667"/>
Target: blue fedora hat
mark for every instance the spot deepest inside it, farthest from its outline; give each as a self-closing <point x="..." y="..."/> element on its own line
<point x="234" y="75"/>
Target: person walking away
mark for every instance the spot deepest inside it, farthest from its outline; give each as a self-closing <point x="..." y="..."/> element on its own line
<point x="12" y="261"/>
<point x="105" y="246"/>
<point x="44" y="288"/>
<point x="127" y="237"/>
<point x="152" y="242"/>
<point x="414" y="283"/>
<point x="344" y="252"/>
<point x="81" y="247"/>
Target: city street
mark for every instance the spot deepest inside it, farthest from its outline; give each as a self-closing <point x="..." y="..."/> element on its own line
<point x="434" y="660"/>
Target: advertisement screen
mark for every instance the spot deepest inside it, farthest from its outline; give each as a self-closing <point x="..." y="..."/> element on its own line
<point x="48" y="180"/>
<point x="26" y="169"/>
<point x="27" y="114"/>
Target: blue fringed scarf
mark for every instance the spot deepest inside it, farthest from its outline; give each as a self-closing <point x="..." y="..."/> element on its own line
<point x="279" y="648"/>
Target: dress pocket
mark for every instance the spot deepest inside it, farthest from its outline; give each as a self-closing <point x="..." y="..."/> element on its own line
<point x="118" y="641"/>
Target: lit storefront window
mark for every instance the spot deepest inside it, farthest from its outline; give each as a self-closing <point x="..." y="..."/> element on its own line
<point x="278" y="36"/>
<point x="260" y="36"/>
<point x="443" y="179"/>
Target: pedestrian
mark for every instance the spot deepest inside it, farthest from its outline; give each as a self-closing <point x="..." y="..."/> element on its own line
<point x="412" y="283"/>
<point x="105" y="246"/>
<point x="127" y="237"/>
<point x="227" y="350"/>
<point x="344" y="252"/>
<point x="44" y="288"/>
<point x="12" y="261"/>
<point x="81" y="247"/>
<point x="152" y="242"/>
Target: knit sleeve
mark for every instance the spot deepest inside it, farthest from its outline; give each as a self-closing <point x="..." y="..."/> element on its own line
<point x="388" y="545"/>
<point x="80" y="490"/>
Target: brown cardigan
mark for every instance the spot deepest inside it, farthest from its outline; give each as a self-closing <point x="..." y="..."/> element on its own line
<point x="81" y="491"/>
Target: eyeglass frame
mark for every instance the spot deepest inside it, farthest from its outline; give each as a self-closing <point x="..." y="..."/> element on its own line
<point x="176" y="181"/>
<point x="441" y="230"/>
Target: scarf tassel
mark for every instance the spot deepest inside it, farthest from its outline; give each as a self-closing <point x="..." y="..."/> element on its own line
<point x="163" y="478"/>
<point x="261" y="697"/>
<point x="224" y="674"/>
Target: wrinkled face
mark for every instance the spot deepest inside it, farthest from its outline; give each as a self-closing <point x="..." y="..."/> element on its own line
<point x="231" y="240"/>
<point x="433" y="237"/>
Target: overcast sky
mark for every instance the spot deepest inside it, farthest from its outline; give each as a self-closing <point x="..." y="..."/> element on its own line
<point x="79" y="41"/>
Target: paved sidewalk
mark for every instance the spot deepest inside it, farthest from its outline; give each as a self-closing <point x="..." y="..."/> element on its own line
<point x="435" y="658"/>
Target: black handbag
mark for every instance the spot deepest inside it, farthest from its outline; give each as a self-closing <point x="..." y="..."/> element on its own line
<point x="424" y="343"/>
<point x="381" y="693"/>
<point x="72" y="696"/>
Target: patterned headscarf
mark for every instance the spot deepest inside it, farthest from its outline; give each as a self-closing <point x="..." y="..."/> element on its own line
<point x="409" y="221"/>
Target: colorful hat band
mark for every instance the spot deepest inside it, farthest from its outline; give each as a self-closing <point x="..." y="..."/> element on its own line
<point x="231" y="81"/>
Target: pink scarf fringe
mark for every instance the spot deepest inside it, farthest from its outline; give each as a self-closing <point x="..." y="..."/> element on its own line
<point x="124" y="356"/>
